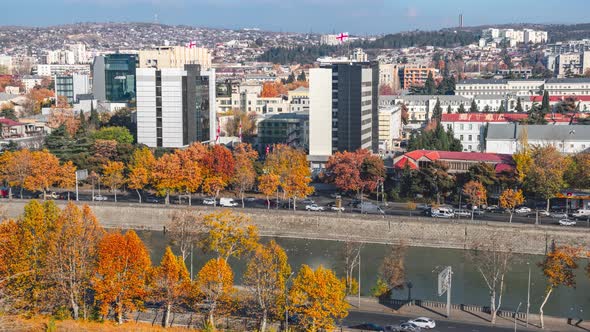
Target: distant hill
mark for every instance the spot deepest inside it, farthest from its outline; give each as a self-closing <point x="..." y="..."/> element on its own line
<point x="441" y="38"/>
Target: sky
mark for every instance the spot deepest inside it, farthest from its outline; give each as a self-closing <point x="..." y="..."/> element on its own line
<point x="319" y="16"/>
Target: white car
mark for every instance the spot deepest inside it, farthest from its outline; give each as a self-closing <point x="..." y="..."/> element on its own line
<point x="558" y="215"/>
<point x="463" y="213"/>
<point x="523" y="209"/>
<point x="567" y="222"/>
<point x="209" y="201"/>
<point x="423" y="322"/>
<point x="314" y="207"/>
<point x="227" y="202"/>
<point x="100" y="198"/>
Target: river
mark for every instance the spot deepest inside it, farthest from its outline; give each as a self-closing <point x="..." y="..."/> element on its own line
<point x="468" y="286"/>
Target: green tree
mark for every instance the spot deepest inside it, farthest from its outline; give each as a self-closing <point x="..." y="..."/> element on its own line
<point x="484" y="174"/>
<point x="461" y="108"/>
<point x="518" y="107"/>
<point x="502" y="109"/>
<point x="119" y="134"/>
<point x="302" y="77"/>
<point x="546" y="106"/>
<point x="430" y="85"/>
<point x="437" y="111"/>
<point x="436" y="181"/>
<point x="473" y="108"/>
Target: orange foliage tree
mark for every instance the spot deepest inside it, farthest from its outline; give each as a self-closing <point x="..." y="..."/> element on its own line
<point x="269" y="90"/>
<point x="476" y="194"/>
<point x="67" y="176"/>
<point x="171" y="283"/>
<point x="140" y="170"/>
<point x="44" y="173"/>
<point x="317" y="298"/>
<point x="245" y="174"/>
<point x="113" y="175"/>
<point x="64" y="117"/>
<point x="510" y="199"/>
<point x="15" y="167"/>
<point x="166" y="174"/>
<point x="190" y="174"/>
<point x="121" y="274"/>
<point x="228" y="234"/>
<point x="214" y="284"/>
<point x="268" y="184"/>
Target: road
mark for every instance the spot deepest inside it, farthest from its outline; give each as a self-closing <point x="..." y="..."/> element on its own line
<point x="381" y="319"/>
<point x="323" y="199"/>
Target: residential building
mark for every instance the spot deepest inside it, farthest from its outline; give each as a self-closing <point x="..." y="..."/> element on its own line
<point x="415" y="76"/>
<point x="458" y="162"/>
<point x="174" y="57"/>
<point x="57" y="70"/>
<point x="70" y="86"/>
<point x="343" y="110"/>
<point x="330" y="40"/>
<point x="359" y="55"/>
<point x="421" y="107"/>
<point x="389" y="75"/>
<point x="30" y="81"/>
<point x="570" y="64"/>
<point x="175" y="106"/>
<point x="6" y="61"/>
<point x="568" y="86"/>
<point x="535" y="36"/>
<point x="503" y="88"/>
<point x="507" y="138"/>
<point x="287" y="128"/>
<point x="390" y="128"/>
<point x="299" y="100"/>
<point x="60" y="57"/>
<point x="114" y="77"/>
<point x="22" y="133"/>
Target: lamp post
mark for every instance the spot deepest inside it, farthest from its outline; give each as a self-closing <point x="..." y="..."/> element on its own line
<point x="528" y="296"/>
<point x="515" y="314"/>
<point x="287" y="303"/>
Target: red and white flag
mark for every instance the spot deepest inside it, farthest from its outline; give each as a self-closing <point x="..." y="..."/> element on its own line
<point x="218" y="131"/>
<point x="240" y="130"/>
<point x="191" y="44"/>
<point x="342" y="37"/>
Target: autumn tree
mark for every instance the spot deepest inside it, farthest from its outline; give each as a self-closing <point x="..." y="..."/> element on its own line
<point x="140" y="170"/>
<point x="241" y="124"/>
<point x="510" y="199"/>
<point x="351" y="255"/>
<point x="171" y="283"/>
<point x="392" y="272"/>
<point x="15" y="168"/>
<point x="66" y="178"/>
<point x="558" y="267"/>
<point x="475" y="193"/>
<point x="113" y="175"/>
<point x="317" y="298"/>
<point x="72" y="256"/>
<point x="190" y="176"/>
<point x="268" y="184"/>
<point x="165" y="175"/>
<point x="492" y="259"/>
<point x="120" y="277"/>
<point x="64" y="117"/>
<point x="293" y="170"/>
<point x="266" y="276"/>
<point x="578" y="175"/>
<point x="545" y="176"/>
<point x="212" y="185"/>
<point x="269" y="90"/>
<point x="245" y="174"/>
<point x="184" y="228"/>
<point x="44" y="172"/>
<point x="228" y="234"/>
<point x="214" y="285"/>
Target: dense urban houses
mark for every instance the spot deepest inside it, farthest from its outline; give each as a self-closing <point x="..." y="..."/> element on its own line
<point x="508" y="138"/>
<point x="175" y="106"/>
<point x="343" y="110"/>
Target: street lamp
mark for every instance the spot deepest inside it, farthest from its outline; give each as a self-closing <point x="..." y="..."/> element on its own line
<point x="528" y="296"/>
<point x="287" y="303"/>
<point x="515" y="314"/>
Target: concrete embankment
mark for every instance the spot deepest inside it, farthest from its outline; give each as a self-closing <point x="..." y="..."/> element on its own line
<point x="413" y="231"/>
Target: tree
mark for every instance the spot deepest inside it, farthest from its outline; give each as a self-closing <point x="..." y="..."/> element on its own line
<point x="292" y="168"/>
<point x="301" y="77"/>
<point x="546" y="105"/>
<point x="558" y="267"/>
<point x="352" y="255"/>
<point x="171" y="283"/>
<point x="140" y="169"/>
<point x="119" y="134"/>
<point x="510" y="199"/>
<point x="190" y="177"/>
<point x="241" y="124"/>
<point x="213" y="185"/>
<point x="121" y="273"/>
<point x="518" y="107"/>
<point x="245" y="174"/>
<point x="215" y="285"/>
<point x="483" y="173"/>
<point x="545" y="176"/>
<point x="317" y="298"/>
<point x="113" y="175"/>
<point x="461" y="108"/>
<point x="473" y="108"/>
<point x="437" y="138"/>
<point x="228" y="234"/>
<point x="72" y="256"/>
<point x="266" y="277"/>
<point x="578" y="175"/>
<point x="268" y="184"/>
<point x="476" y="194"/>
<point x="502" y="109"/>
<point x="392" y="273"/>
<point x="44" y="172"/>
<point x="269" y="90"/>
<point x="435" y="180"/>
<point x="492" y="259"/>
<point x="437" y="111"/>
<point x="67" y="176"/>
<point x="184" y="227"/>
<point x="165" y="175"/>
<point x="15" y="168"/>
<point x="430" y="85"/>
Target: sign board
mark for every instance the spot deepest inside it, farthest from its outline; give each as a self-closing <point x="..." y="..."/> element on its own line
<point x="82" y="174"/>
<point x="444" y="278"/>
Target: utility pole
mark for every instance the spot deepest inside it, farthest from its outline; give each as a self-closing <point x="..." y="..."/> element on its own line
<point x="359" y="292"/>
<point x="528" y="297"/>
<point x="450" y="280"/>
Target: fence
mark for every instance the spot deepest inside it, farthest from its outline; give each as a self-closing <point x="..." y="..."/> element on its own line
<point x="462" y="307"/>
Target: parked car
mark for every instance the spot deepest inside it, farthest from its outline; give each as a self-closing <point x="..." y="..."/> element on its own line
<point x="227" y="202"/>
<point x="250" y="199"/>
<point x="334" y="207"/>
<point x="209" y="201"/>
<point x="368" y="327"/>
<point x="442" y="212"/>
<point x="423" y="322"/>
<point x="463" y="213"/>
<point x="314" y="207"/>
<point x="543" y="213"/>
<point x="567" y="222"/>
<point x="152" y="200"/>
<point x="558" y="215"/>
<point x="100" y="198"/>
<point x="67" y="194"/>
<point x="308" y="201"/>
<point x="336" y="195"/>
<point x="581" y="214"/>
<point x="492" y="208"/>
<point x="523" y="210"/>
<point x="409" y="327"/>
<point x="49" y="195"/>
<point x="370" y="208"/>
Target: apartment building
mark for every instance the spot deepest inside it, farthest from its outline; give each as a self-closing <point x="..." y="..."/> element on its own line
<point x="415" y="76"/>
<point x="174" y="57"/>
<point x="421" y="107"/>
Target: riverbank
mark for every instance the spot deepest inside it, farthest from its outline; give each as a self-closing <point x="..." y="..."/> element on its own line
<point x="413" y="231"/>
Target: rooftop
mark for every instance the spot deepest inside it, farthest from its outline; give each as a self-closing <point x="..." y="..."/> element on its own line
<point x="512" y="131"/>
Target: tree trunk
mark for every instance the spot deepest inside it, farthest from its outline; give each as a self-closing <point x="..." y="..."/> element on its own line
<point x="138" y="195"/>
<point x="510" y="217"/>
<point x="294" y="203"/>
<point x="542" y="305"/>
<point x="120" y="313"/>
<point x="263" y="322"/>
<point x="190" y="199"/>
<point x="211" y="320"/>
<point x="548" y="204"/>
<point x="242" y="194"/>
<point x="166" y="318"/>
<point x="167" y="200"/>
<point x="493" y="309"/>
<point x="267" y="203"/>
<point x="21" y="192"/>
<point x="115" y="195"/>
<point x="75" y="307"/>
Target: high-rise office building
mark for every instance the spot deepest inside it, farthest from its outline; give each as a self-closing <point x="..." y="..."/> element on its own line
<point x="175" y="106"/>
<point x="343" y="110"/>
<point x="113" y="77"/>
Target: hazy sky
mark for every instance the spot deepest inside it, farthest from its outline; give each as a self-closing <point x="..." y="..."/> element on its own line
<point x="354" y="16"/>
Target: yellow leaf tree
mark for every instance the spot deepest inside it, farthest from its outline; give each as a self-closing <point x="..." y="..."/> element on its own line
<point x="67" y="176"/>
<point x="317" y="298"/>
<point x="266" y="276"/>
<point x="121" y="274"/>
<point x="214" y="285"/>
<point x="510" y="199"/>
<point x="293" y="170"/>
<point x="15" y="167"/>
<point x="476" y="194"/>
<point x="44" y="172"/>
<point x="166" y="175"/>
<point x="190" y="174"/>
<point x="140" y="170"/>
<point x="228" y="234"/>
<point x="112" y="173"/>
<point x="245" y="174"/>
<point x="268" y="184"/>
<point x="171" y="283"/>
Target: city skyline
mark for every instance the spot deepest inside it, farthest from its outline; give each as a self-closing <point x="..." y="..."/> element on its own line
<point x="369" y="17"/>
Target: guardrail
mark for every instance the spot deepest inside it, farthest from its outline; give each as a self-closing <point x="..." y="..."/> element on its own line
<point x="462" y="307"/>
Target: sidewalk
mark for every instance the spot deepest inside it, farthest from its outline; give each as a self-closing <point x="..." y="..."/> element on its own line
<point x="471" y="317"/>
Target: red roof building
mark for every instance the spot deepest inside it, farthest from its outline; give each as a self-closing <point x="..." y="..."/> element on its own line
<point x="458" y="162"/>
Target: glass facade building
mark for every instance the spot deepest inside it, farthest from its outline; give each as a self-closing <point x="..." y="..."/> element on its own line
<point x="114" y="78"/>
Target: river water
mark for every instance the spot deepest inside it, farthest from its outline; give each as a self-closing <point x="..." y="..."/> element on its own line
<point x="468" y="286"/>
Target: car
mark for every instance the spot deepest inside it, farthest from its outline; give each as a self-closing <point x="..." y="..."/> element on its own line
<point x="227" y="202"/>
<point x="567" y="222"/>
<point x="152" y="200"/>
<point x="409" y="327"/>
<point x="314" y="207"/>
<point x="49" y="195"/>
<point x="368" y="327"/>
<point x="558" y="215"/>
<point x="479" y="212"/>
<point x="209" y="201"/>
<point x="581" y="214"/>
<point x="523" y="209"/>
<point x="442" y="212"/>
<point x="308" y="201"/>
<point x="543" y="213"/>
<point x="99" y="198"/>
<point x="335" y="207"/>
<point x="250" y="199"/>
<point x="463" y="213"/>
<point x="423" y="322"/>
<point x="67" y="195"/>
<point x="492" y="208"/>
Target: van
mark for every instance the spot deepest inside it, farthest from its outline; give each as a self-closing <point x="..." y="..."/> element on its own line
<point x="227" y="202"/>
<point x="581" y="214"/>
<point x="370" y="208"/>
<point x="442" y="212"/>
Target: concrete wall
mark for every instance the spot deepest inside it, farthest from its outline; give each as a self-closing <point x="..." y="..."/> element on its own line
<point x="373" y="229"/>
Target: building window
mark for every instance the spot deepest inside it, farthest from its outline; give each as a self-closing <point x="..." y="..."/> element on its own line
<point x="461" y="126"/>
<point x="461" y="137"/>
<point x="470" y="138"/>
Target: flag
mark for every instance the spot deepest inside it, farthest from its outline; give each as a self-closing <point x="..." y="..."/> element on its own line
<point x="342" y="37"/>
<point x="218" y="131"/>
<point x="240" y="131"/>
<point x="191" y="44"/>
